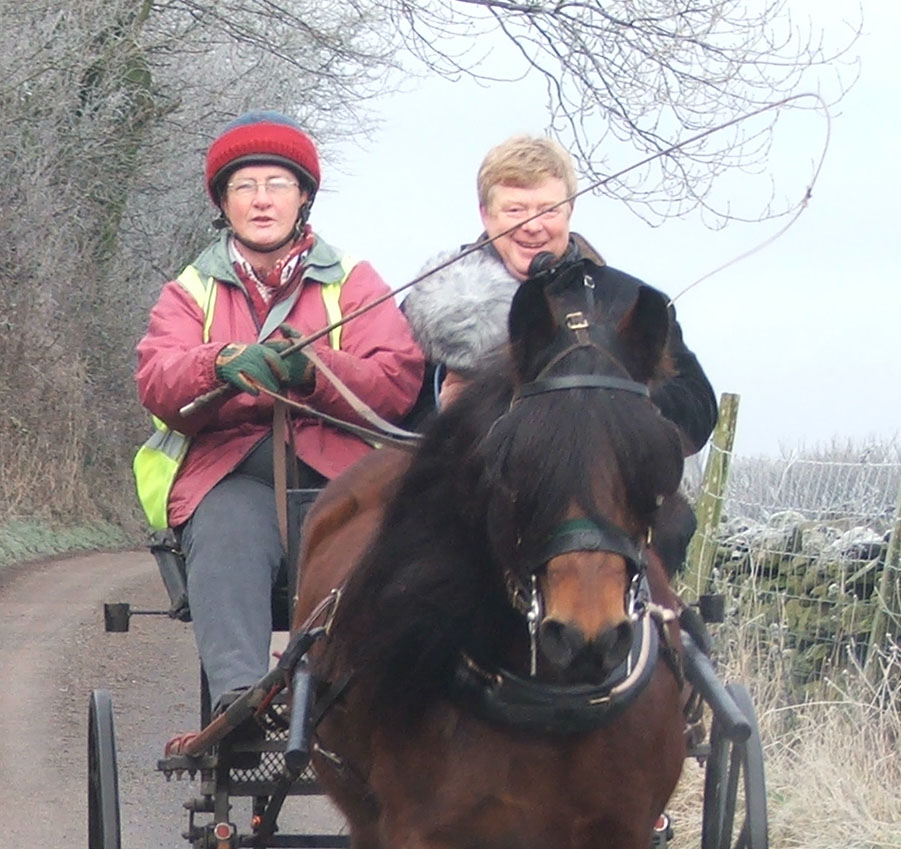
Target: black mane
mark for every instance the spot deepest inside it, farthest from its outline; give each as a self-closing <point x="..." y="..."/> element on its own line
<point x="490" y="481"/>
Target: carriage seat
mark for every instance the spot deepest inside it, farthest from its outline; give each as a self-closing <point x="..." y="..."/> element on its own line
<point x="166" y="550"/>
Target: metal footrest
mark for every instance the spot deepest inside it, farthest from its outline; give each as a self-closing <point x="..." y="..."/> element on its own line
<point x="257" y="780"/>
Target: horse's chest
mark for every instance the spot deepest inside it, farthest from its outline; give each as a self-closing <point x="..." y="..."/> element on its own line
<point x="468" y="784"/>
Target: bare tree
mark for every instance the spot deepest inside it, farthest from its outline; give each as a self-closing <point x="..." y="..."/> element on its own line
<point x="646" y="75"/>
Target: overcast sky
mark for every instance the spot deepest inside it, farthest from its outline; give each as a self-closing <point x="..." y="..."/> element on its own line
<point x="805" y="330"/>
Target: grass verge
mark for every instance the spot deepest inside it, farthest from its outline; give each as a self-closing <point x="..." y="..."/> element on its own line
<point x="23" y="540"/>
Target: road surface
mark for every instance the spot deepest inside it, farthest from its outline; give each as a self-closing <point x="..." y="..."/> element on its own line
<point x="53" y="652"/>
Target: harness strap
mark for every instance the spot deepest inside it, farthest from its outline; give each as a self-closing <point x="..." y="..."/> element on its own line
<point x="327" y="699"/>
<point x="282" y="435"/>
<point x="508" y="700"/>
<point x="663" y="616"/>
<point x="582" y="381"/>
<point x="369" y="435"/>
<point x="359" y="406"/>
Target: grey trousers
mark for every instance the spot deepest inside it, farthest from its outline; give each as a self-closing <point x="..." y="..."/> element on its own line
<point x="233" y="553"/>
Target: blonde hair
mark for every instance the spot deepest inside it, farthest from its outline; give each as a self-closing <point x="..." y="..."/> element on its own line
<point x="524" y="161"/>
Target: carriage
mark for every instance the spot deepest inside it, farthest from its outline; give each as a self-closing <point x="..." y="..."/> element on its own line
<point x="484" y="647"/>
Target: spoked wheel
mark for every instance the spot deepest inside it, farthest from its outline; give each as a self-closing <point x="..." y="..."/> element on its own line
<point x="103" y="779"/>
<point x="735" y="814"/>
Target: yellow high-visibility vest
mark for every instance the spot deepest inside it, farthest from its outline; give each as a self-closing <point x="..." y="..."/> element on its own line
<point x="158" y="460"/>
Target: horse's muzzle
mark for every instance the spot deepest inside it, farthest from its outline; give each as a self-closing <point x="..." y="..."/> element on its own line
<point x="578" y="659"/>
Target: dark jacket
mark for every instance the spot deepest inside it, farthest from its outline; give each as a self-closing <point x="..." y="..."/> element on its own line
<point x="459" y="314"/>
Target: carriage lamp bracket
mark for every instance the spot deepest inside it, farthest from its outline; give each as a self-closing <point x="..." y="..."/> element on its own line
<point x="712" y="607"/>
<point x="117" y="616"/>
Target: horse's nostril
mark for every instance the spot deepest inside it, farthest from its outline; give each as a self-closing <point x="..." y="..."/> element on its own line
<point x="560" y="643"/>
<point x="619" y="641"/>
<point x="567" y="649"/>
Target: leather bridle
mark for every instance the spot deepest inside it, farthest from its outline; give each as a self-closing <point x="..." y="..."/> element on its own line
<point x="579" y="534"/>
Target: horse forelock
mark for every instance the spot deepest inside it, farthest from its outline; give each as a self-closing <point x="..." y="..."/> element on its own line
<point x="608" y="453"/>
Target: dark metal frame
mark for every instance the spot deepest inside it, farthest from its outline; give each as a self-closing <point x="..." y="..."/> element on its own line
<point x="734" y="814"/>
<point x="734" y="773"/>
<point x="224" y="770"/>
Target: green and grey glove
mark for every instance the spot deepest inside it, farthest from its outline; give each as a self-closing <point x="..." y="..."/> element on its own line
<point x="297" y="370"/>
<point x="244" y="365"/>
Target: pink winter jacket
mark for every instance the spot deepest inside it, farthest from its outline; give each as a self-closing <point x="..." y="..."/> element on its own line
<point x="377" y="359"/>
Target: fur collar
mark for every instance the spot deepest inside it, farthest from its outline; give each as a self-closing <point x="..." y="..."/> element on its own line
<point x="459" y="314"/>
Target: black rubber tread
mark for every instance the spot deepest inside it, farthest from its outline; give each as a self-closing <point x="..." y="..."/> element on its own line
<point x="104" y="829"/>
<point x="728" y="764"/>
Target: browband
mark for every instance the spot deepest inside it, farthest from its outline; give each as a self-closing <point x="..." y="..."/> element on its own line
<point x="582" y="381"/>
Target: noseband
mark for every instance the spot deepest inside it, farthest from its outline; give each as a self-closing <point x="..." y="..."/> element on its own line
<point x="588" y="535"/>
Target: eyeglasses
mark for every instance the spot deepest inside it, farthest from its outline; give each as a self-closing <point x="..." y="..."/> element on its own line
<point x="277" y="186"/>
<point x="517" y="212"/>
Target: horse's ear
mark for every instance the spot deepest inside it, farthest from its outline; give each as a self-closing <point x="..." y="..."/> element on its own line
<point x="644" y="330"/>
<point x="531" y="324"/>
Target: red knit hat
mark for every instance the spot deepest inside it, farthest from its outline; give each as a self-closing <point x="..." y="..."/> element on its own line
<point x="262" y="137"/>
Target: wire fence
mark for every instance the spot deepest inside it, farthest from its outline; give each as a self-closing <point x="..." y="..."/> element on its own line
<point x="806" y="552"/>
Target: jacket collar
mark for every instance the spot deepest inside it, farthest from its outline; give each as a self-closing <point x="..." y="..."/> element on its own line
<point x="322" y="263"/>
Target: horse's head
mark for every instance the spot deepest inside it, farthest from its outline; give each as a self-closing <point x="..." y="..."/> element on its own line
<point x="560" y="298"/>
<point x="577" y="467"/>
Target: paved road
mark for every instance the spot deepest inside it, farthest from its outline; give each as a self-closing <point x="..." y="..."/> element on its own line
<point x="53" y="652"/>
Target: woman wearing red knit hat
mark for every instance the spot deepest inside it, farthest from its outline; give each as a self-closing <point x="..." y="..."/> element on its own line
<point x="222" y="323"/>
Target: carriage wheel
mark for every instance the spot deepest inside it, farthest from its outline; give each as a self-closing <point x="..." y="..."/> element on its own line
<point x="735" y="814"/>
<point x="103" y="780"/>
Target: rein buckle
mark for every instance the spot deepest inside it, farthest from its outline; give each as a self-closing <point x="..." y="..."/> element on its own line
<point x="576" y="321"/>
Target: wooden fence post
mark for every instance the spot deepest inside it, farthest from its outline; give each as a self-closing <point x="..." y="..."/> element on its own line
<point x="888" y="591"/>
<point x="702" y="549"/>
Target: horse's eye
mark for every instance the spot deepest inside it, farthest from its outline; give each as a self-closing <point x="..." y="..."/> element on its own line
<point x="651" y="508"/>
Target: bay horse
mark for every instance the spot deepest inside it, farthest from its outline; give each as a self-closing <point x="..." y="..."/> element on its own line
<point x="501" y="666"/>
